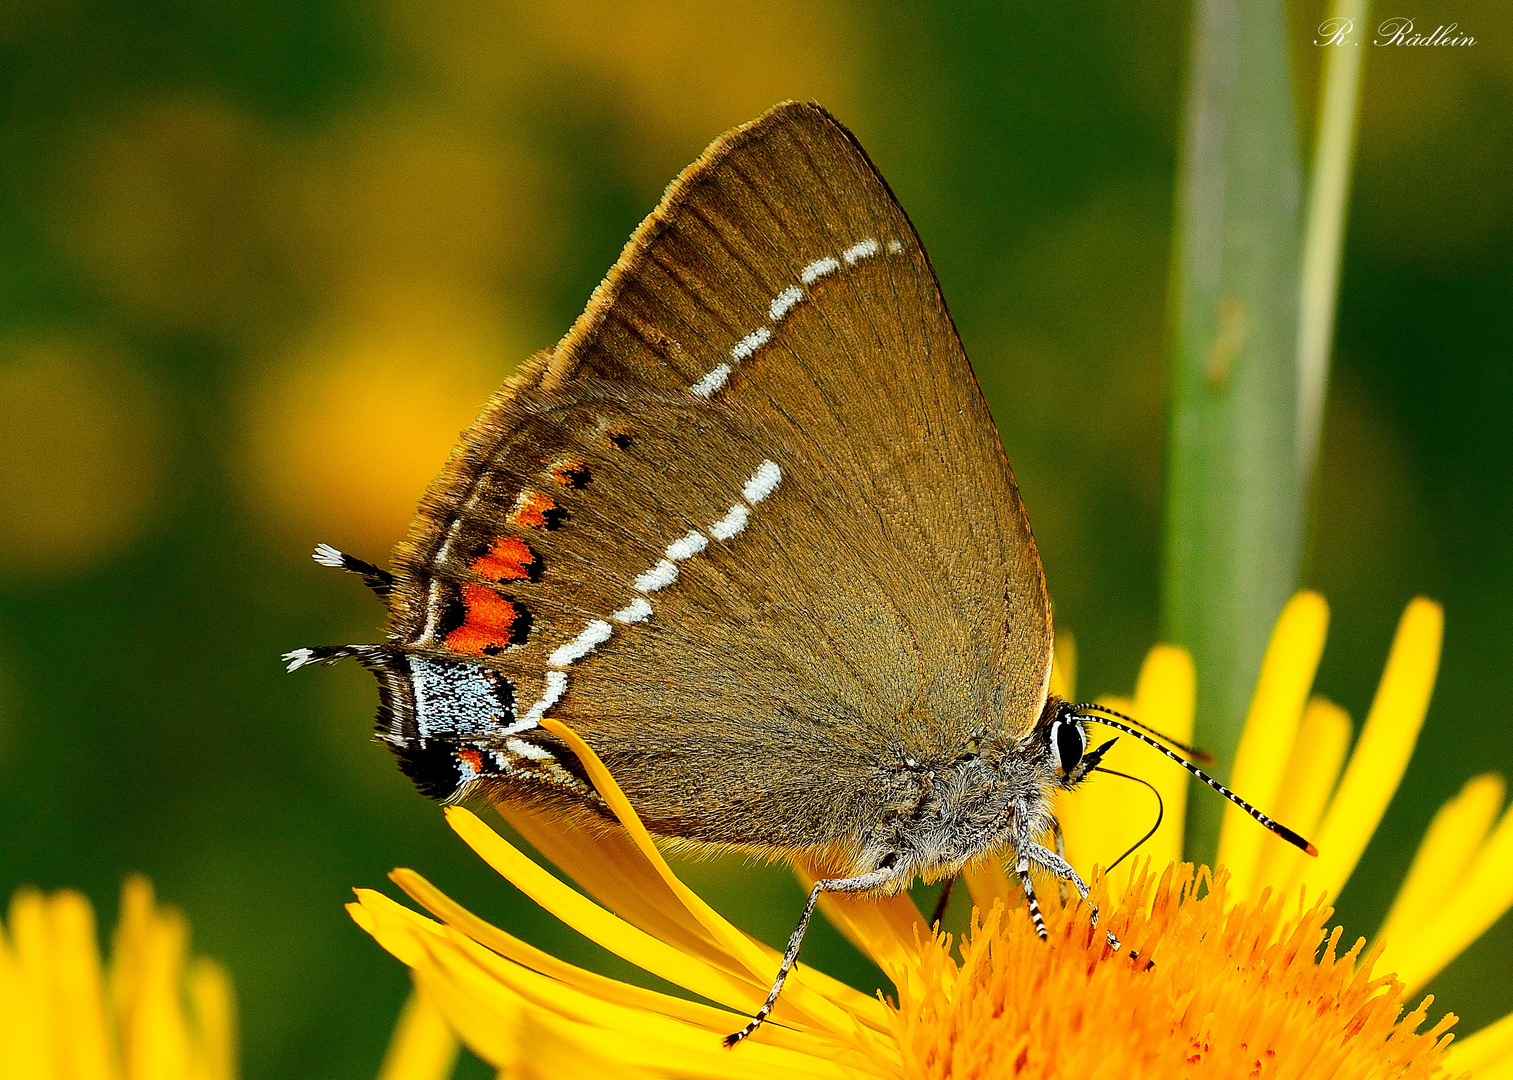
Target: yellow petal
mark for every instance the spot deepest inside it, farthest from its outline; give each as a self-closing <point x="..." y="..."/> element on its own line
<point x="609" y="867"/>
<point x="422" y="1046"/>
<point x="722" y="982"/>
<point x="513" y="949"/>
<point x="1271" y="727"/>
<point x="155" y="1044"/>
<point x="631" y="1015"/>
<point x="555" y="1058"/>
<point x="57" y="1021"/>
<point x="487" y="1018"/>
<point x="885" y="928"/>
<point x="466" y="983"/>
<point x="751" y="955"/>
<point x="130" y="944"/>
<point x="989" y="883"/>
<point x="1386" y="743"/>
<point x="596" y="1000"/>
<point x="1439" y="867"/>
<point x="24" y="1018"/>
<point x="736" y="989"/>
<point x="390" y="925"/>
<point x="1476" y="901"/>
<point x="1164" y="698"/>
<point x="1313" y="769"/>
<point x="78" y="998"/>
<point x="1105" y="815"/>
<point x="1487" y="1055"/>
<point x="214" y="1000"/>
<point x="1498" y="1070"/>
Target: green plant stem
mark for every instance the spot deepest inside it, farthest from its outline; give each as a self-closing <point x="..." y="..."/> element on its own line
<point x="1234" y="500"/>
<point x="1323" y="238"/>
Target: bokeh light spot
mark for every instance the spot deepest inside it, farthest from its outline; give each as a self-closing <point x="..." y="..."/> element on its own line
<point x="676" y="74"/>
<point x="343" y="433"/>
<point x="683" y="71"/>
<point x="163" y="209"/>
<point x="406" y="193"/>
<point x="81" y="454"/>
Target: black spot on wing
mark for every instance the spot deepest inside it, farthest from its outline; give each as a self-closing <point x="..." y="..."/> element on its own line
<point x="433" y="767"/>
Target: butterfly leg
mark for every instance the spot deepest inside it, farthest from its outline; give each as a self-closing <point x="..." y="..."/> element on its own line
<point x="1048" y="860"/>
<point x="942" y="903"/>
<point x="876" y="879"/>
<point x="1022" y="868"/>
<point x="1054" y="862"/>
<point x="1060" y="850"/>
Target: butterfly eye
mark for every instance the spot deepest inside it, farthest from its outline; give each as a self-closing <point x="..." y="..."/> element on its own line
<point x="1069" y="742"/>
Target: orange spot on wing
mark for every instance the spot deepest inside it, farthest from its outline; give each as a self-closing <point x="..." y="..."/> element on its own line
<point x="472" y="759"/>
<point x="531" y="508"/>
<point x="492" y="622"/>
<point x="571" y="472"/>
<point x="509" y="559"/>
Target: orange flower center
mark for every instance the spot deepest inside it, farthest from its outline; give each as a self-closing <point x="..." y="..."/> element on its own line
<point x="1197" y="988"/>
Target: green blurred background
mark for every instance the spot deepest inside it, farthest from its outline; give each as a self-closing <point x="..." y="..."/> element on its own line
<point x="260" y="262"/>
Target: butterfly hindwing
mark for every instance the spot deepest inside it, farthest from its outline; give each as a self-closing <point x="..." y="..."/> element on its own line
<point x="753" y="503"/>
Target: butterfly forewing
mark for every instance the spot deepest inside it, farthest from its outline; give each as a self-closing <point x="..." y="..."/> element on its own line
<point x="753" y="503"/>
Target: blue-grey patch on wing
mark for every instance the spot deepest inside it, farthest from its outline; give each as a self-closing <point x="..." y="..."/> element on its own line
<point x="459" y="701"/>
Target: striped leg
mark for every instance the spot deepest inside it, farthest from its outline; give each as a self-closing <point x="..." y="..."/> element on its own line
<point x="1057" y="865"/>
<point x="861" y="883"/>
<point x="1022" y="868"/>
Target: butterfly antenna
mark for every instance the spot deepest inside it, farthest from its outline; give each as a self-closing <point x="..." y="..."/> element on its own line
<point x="1273" y="826"/>
<point x="1160" y="813"/>
<point x="1191" y="751"/>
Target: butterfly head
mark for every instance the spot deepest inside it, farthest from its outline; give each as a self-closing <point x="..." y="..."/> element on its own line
<point x="1066" y="744"/>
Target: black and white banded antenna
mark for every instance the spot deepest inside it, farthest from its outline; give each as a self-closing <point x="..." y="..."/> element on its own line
<point x="1099" y="714"/>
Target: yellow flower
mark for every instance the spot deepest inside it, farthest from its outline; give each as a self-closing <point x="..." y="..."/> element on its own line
<point x="1220" y="974"/>
<point x="151" y="1014"/>
<point x="422" y="1047"/>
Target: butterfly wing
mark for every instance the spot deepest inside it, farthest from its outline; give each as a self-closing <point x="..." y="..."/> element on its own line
<point x="748" y="528"/>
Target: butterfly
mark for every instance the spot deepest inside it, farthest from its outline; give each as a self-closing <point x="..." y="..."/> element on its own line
<point x="749" y="529"/>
